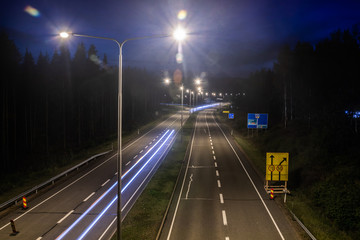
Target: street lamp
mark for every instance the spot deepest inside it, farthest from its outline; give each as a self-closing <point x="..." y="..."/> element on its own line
<point x="179" y="34"/>
<point x="182" y="107"/>
<point x="197" y="81"/>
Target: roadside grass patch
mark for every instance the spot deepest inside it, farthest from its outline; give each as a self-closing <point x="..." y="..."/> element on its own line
<point x="12" y="185"/>
<point x="319" y="188"/>
<point x="144" y="219"/>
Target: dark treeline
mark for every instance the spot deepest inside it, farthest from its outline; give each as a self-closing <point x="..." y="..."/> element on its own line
<point x="311" y="83"/>
<point x="311" y="96"/>
<point x="57" y="105"/>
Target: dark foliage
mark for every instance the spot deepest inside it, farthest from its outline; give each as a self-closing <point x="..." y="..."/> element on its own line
<point x="55" y="106"/>
<point x="311" y="96"/>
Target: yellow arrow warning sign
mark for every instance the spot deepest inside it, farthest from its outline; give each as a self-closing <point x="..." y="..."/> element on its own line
<point x="277" y="166"/>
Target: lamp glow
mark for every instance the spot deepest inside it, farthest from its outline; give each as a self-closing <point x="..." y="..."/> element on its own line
<point x="64" y="35"/>
<point x="179" y="34"/>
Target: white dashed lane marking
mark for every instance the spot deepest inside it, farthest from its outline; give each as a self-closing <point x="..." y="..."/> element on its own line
<point x="65" y="216"/>
<point x="88" y="197"/>
<point x="105" y="182"/>
<point x="224" y="218"/>
<point x="221" y="198"/>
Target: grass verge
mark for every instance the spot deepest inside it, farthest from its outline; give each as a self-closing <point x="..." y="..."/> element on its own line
<point x="16" y="184"/>
<point x="300" y="202"/>
<point x="144" y="219"/>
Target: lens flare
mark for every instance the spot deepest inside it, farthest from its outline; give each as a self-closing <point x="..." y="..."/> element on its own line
<point x="182" y="15"/>
<point x="179" y="58"/>
<point x="32" y="11"/>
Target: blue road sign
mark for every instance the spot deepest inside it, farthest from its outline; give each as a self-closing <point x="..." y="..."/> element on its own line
<point x="257" y="120"/>
<point x="231" y="116"/>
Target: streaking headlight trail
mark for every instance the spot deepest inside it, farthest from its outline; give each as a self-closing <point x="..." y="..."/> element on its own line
<point x="144" y="154"/>
<point x="115" y="198"/>
<point x="203" y="107"/>
<point x="63" y="234"/>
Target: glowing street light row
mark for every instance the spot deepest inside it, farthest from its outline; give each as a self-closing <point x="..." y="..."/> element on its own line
<point x="179" y="34"/>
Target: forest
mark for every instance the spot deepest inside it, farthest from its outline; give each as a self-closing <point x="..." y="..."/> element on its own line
<point x="54" y="106"/>
<point x="313" y="101"/>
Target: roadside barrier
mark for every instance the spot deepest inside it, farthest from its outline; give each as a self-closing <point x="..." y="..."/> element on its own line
<point x="272" y="194"/>
<point x="35" y="189"/>
<point x="24" y="206"/>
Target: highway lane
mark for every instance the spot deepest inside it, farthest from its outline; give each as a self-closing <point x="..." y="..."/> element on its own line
<point x="82" y="198"/>
<point x="220" y="195"/>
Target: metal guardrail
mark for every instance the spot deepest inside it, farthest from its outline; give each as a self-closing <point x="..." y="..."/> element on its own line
<point x="51" y="180"/>
<point x="303" y="226"/>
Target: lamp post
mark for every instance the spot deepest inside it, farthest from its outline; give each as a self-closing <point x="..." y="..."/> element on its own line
<point x="179" y="34"/>
<point x="182" y="108"/>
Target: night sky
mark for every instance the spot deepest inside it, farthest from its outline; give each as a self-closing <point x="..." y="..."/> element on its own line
<point x="231" y="37"/>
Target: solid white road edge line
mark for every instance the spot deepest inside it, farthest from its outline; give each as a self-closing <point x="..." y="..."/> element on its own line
<point x="107" y="229"/>
<point x="183" y="182"/>
<point x="252" y="182"/>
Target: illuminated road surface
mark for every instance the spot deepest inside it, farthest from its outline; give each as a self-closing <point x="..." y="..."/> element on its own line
<point x="84" y="205"/>
<point x="220" y="196"/>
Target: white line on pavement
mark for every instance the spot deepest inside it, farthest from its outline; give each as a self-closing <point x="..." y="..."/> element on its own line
<point x="221" y="198"/>
<point x="219" y="183"/>
<point x="183" y="182"/>
<point x="224" y="217"/>
<point x="187" y="192"/>
<point x="105" y="182"/>
<point x="252" y="182"/>
<point x="88" y="197"/>
<point x="65" y="216"/>
<point x="107" y="229"/>
<point x="217" y="173"/>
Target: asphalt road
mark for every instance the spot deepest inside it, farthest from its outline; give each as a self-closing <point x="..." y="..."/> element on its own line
<point x="220" y="195"/>
<point x="84" y="205"/>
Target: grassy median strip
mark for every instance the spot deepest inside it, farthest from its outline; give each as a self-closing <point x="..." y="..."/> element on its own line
<point x="144" y="219"/>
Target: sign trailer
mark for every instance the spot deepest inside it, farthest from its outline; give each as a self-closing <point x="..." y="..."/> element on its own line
<point x="277" y="172"/>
